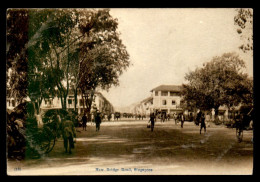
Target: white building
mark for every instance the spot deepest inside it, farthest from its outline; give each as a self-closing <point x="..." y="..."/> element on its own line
<point x="143" y="107"/>
<point x="100" y="102"/>
<point x="166" y="99"/>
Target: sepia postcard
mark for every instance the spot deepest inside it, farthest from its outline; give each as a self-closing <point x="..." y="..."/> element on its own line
<point x="129" y="91"/>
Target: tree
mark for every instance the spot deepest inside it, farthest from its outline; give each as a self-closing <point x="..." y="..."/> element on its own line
<point x="56" y="33"/>
<point x="64" y="49"/>
<point x="103" y="56"/>
<point x="219" y="82"/>
<point x="244" y="21"/>
<point x="16" y="53"/>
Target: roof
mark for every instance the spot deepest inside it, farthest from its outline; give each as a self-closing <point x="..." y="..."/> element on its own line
<point x="147" y="99"/>
<point x="175" y="88"/>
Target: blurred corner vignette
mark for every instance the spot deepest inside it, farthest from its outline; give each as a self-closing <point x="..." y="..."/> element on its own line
<point x="135" y="91"/>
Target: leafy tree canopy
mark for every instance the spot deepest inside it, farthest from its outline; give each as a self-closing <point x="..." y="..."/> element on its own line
<point x="244" y="21"/>
<point x="219" y="82"/>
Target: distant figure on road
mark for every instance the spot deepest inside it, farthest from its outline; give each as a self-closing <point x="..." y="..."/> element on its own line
<point x="162" y="117"/>
<point x="175" y="118"/>
<point x="202" y="123"/>
<point x="182" y="119"/>
<point x="84" y="122"/>
<point x="152" y="118"/>
<point x="68" y="133"/>
<point x="168" y="117"/>
<point x="117" y="115"/>
<point x="197" y="122"/>
<point x="98" y="121"/>
<point x="109" y="117"/>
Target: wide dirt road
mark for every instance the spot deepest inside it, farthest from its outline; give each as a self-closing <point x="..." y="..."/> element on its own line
<point x="129" y="148"/>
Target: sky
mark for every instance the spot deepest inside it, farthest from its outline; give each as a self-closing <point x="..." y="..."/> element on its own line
<point x="165" y="44"/>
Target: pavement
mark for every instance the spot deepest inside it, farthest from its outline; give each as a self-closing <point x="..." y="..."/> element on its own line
<point x="128" y="147"/>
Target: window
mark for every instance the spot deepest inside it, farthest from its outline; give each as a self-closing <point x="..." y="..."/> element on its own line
<point x="164" y="102"/>
<point x="13" y="103"/>
<point x="80" y="102"/>
<point x="173" y="93"/>
<point x="164" y="93"/>
<point x="156" y="93"/>
<point x="69" y="101"/>
<point x="173" y="102"/>
<point x="81" y="110"/>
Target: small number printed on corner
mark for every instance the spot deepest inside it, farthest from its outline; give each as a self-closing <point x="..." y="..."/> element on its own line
<point x="17" y="169"/>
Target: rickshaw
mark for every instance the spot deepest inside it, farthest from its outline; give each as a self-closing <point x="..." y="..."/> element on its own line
<point x="37" y="140"/>
<point x="242" y="120"/>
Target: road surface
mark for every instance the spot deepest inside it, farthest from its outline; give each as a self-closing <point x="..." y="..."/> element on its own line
<point x="130" y="148"/>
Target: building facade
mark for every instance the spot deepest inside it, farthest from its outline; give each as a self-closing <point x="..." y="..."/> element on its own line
<point x="166" y="99"/>
<point x="143" y="107"/>
<point x="100" y="103"/>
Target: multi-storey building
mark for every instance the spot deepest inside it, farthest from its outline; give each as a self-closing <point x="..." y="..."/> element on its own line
<point x="143" y="107"/>
<point x="100" y="103"/>
<point x="166" y="99"/>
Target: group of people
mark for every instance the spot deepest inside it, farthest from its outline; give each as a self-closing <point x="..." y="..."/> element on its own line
<point x="97" y="120"/>
<point x="180" y="117"/>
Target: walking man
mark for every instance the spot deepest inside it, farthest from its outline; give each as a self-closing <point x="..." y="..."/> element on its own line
<point x="152" y="118"/>
<point x="182" y="119"/>
<point x="98" y="121"/>
<point x="198" y="118"/>
<point x="84" y="121"/>
<point x="202" y="124"/>
<point x="68" y="133"/>
<point x="175" y="118"/>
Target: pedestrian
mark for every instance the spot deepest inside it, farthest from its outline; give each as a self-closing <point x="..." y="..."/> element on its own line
<point x="238" y="120"/>
<point x="84" y="122"/>
<point x="175" y="118"/>
<point x="161" y="117"/>
<point x="198" y="118"/>
<point x="98" y="121"/>
<point x="92" y="119"/>
<point x="182" y="119"/>
<point x="68" y="133"/>
<point x="152" y="119"/>
<point x="202" y="123"/>
<point x="109" y="117"/>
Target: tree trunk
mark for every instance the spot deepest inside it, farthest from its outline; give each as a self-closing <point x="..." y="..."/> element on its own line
<point x="64" y="102"/>
<point x="61" y="100"/>
<point x="216" y="114"/>
<point x="88" y="101"/>
<point x="75" y="99"/>
<point x="38" y="105"/>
